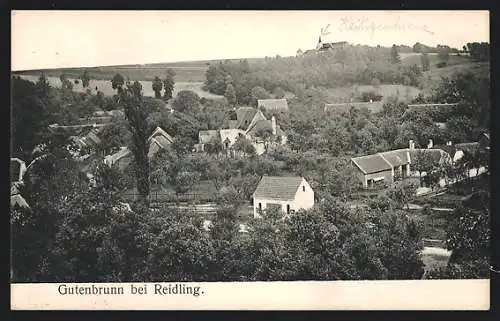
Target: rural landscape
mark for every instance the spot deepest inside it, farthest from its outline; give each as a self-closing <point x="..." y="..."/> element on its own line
<point x="343" y="162"/>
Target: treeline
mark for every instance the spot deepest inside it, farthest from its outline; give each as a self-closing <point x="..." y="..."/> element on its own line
<point x="351" y="65"/>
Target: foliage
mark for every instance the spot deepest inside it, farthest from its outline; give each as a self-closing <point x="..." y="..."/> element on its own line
<point x="168" y="84"/>
<point x="85" y="79"/>
<point x="132" y="102"/>
<point x="424" y="58"/>
<point x="395" y="59"/>
<point x="157" y="85"/>
<point x="118" y="81"/>
<point x="187" y="101"/>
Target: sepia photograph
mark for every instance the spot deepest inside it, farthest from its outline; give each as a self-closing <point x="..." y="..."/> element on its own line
<point x="244" y="146"/>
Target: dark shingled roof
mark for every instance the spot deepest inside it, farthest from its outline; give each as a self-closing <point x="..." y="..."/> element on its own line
<point x="244" y="117"/>
<point x="470" y="148"/>
<point x="262" y="125"/>
<point x="371" y="164"/>
<point x="273" y="104"/>
<point x="278" y="188"/>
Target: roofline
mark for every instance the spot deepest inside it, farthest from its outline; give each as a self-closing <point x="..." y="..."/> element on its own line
<point x="360" y="168"/>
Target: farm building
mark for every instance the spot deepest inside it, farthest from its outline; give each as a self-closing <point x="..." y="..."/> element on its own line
<point x="289" y="194"/>
<point x="387" y="167"/>
<point x="273" y="104"/>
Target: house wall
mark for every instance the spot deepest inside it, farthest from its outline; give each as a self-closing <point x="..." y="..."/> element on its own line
<point x="232" y="134"/>
<point x="387" y="175"/>
<point x="303" y="200"/>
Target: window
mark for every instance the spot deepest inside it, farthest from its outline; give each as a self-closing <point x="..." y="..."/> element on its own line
<point x="288" y="208"/>
<point x="303" y="188"/>
<point x="260" y="206"/>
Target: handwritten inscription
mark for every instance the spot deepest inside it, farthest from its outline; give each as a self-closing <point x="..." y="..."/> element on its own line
<point x="364" y="24"/>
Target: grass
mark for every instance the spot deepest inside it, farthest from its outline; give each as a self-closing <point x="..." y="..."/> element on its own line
<point x="414" y="59"/>
<point x="434" y="261"/>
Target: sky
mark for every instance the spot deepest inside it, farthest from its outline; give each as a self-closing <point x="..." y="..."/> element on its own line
<point x="58" y="39"/>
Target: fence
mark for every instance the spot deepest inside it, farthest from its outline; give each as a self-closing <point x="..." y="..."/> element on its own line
<point x="155" y="197"/>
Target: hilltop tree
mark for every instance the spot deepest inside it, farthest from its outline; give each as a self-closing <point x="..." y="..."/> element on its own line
<point x="168" y="84"/>
<point x="117" y="82"/>
<point x="424" y="58"/>
<point x="85" y="79"/>
<point x="157" y="85"/>
<point x="395" y="55"/>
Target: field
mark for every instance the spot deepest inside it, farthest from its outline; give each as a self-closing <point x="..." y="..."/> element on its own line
<point x="188" y="71"/>
<point x="414" y="59"/>
<point x="105" y="86"/>
<point x="431" y="78"/>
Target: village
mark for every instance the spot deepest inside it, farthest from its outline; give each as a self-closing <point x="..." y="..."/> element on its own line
<point x="315" y="166"/>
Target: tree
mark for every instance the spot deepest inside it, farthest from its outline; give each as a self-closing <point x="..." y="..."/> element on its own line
<point x="423" y="163"/>
<point x="395" y="55"/>
<point x="424" y="58"/>
<point x="168" y="84"/>
<point x="230" y="94"/>
<point x="279" y="92"/>
<point x="135" y="113"/>
<point x="244" y="145"/>
<point x="85" y="79"/>
<point x="187" y="101"/>
<point x="117" y="82"/>
<point x="157" y="87"/>
<point x="444" y="53"/>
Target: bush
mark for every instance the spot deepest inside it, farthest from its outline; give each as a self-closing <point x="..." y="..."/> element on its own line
<point x="375" y="82"/>
<point x="370" y="95"/>
<point x="441" y="64"/>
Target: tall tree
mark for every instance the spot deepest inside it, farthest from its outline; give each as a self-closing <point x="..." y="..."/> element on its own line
<point x="230" y="94"/>
<point x="444" y="53"/>
<point x="395" y="55"/>
<point x="117" y="82"/>
<point x="85" y="79"/>
<point x="168" y="84"/>
<point x="157" y="87"/>
<point x="424" y="58"/>
<point x="131" y="99"/>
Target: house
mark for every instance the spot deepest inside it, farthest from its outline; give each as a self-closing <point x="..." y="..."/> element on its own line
<point x="287" y="194"/>
<point x="273" y="104"/>
<point x="159" y="140"/>
<point x="373" y="106"/>
<point x="17" y="171"/>
<point x="387" y="167"/>
<point x="248" y="122"/>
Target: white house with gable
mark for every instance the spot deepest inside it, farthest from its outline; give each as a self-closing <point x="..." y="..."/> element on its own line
<point x="289" y="194"/>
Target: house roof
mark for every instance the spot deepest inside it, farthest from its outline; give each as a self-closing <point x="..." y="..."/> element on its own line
<point x="162" y="141"/>
<point x="160" y="132"/>
<point x="468" y="147"/>
<point x="278" y="187"/>
<point x="19" y="201"/>
<point x="92" y="138"/>
<point x="373" y="106"/>
<point x="371" y="163"/>
<point x="244" y="116"/>
<point x="273" y="104"/>
<point x="263" y="125"/>
<point x="205" y="136"/>
<point x="396" y="157"/>
<point x="111" y="159"/>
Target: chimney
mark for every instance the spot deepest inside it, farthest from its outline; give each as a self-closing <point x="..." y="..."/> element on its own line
<point x="273" y="123"/>
<point x="430" y="144"/>
<point x="411" y="145"/>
